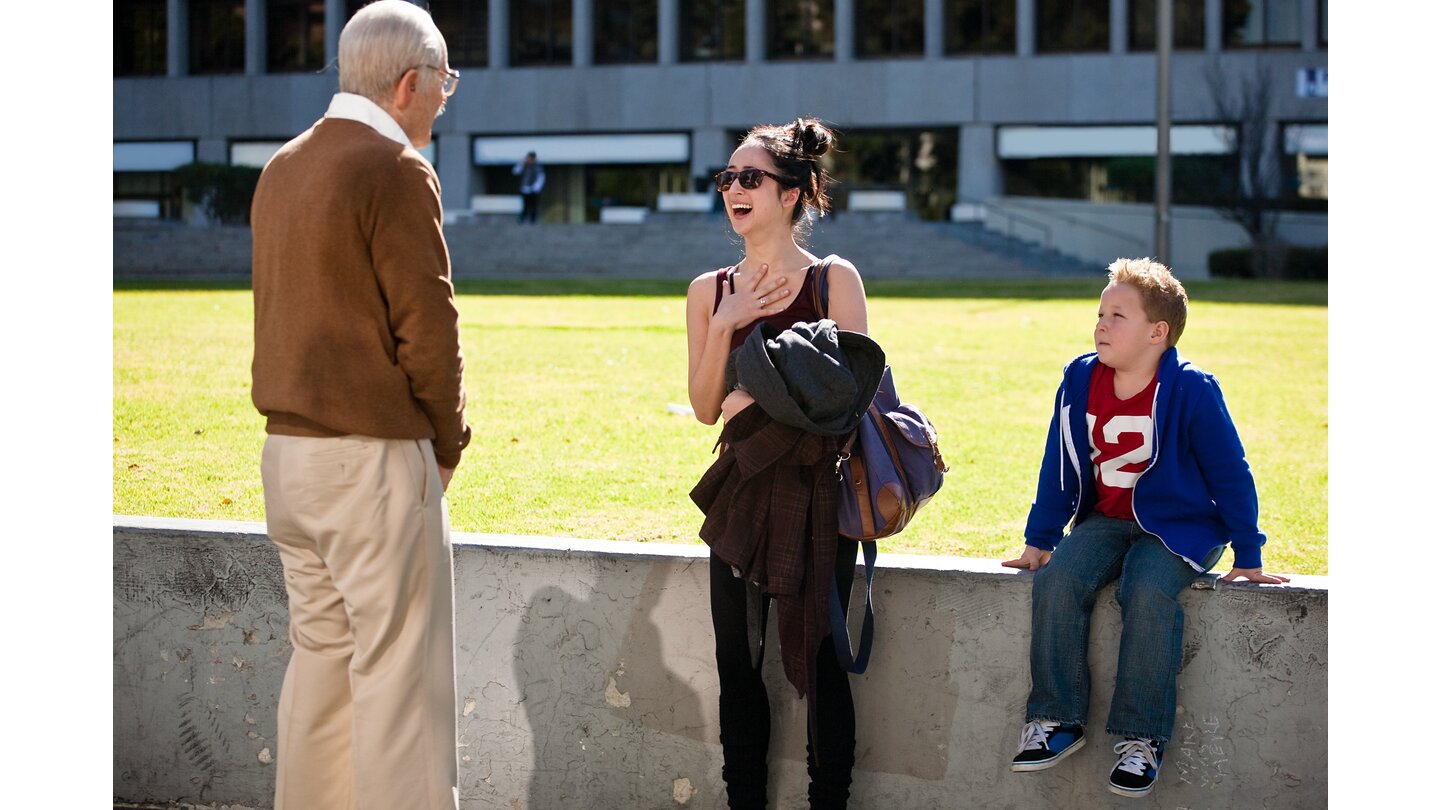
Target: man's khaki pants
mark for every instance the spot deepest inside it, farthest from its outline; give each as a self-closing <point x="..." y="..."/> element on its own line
<point x="367" y="711"/>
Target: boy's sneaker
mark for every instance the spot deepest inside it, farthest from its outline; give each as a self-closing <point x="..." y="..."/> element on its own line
<point x="1134" y="773"/>
<point x="1042" y="744"/>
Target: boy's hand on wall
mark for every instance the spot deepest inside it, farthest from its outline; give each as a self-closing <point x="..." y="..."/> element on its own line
<point x="1254" y="575"/>
<point x="1031" y="559"/>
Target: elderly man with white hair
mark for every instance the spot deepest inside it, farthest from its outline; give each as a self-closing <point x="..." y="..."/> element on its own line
<point x="357" y="369"/>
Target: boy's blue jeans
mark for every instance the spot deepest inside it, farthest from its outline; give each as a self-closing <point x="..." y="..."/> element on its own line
<point x="1094" y="554"/>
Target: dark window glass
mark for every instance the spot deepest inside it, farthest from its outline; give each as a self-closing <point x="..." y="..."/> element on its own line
<point x="1261" y="23"/>
<point x="294" y="35"/>
<point x="980" y="27"/>
<point x="139" y="37"/>
<point x="540" y="32"/>
<point x="159" y="187"/>
<point x="1194" y="179"/>
<point x="1070" y="26"/>
<point x="889" y="28"/>
<point x="1324" y="23"/>
<point x="1188" y="19"/>
<point x="712" y="30"/>
<point x="801" y="29"/>
<point x="217" y="36"/>
<point x="465" y="24"/>
<point x="625" y="31"/>
<point x="920" y="162"/>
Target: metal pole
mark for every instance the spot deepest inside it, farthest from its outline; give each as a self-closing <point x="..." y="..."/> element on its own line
<point x="1164" y="25"/>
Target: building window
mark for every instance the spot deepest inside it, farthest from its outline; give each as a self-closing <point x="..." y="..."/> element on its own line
<point x="1307" y="166"/>
<point x="979" y="27"/>
<point x="1261" y="23"/>
<point x="625" y="31"/>
<point x="1188" y="19"/>
<point x="541" y="32"/>
<point x="145" y="181"/>
<point x="887" y="28"/>
<point x="140" y="37"/>
<point x="920" y="162"/>
<point x="1324" y="23"/>
<point x="465" y="24"/>
<point x="1072" y="26"/>
<point x="217" y="36"/>
<point x="294" y="35"/>
<point x="712" y="30"/>
<point x="801" y="29"/>
<point x="1117" y="163"/>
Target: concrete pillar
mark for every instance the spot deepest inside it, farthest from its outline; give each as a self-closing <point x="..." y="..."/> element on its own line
<point x="709" y="147"/>
<point x="844" y="30"/>
<point x="212" y="150"/>
<point x="754" y="31"/>
<point x="452" y="154"/>
<point x="1309" y="25"/>
<point x="254" y="37"/>
<point x="334" y="24"/>
<point x="1214" y="26"/>
<point x="499" y="33"/>
<point x="1024" y="27"/>
<point x="668" y="20"/>
<point x="582" y="28"/>
<point x="979" y="166"/>
<point x="177" y="38"/>
<point x="934" y="29"/>
<point x="1119" y="26"/>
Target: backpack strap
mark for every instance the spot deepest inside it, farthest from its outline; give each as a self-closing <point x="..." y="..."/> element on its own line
<point x="854" y="661"/>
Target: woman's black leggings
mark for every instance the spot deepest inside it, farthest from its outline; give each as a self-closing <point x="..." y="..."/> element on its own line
<point x="745" y="707"/>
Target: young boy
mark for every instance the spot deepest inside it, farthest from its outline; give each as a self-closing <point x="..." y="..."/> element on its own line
<point x="1143" y="457"/>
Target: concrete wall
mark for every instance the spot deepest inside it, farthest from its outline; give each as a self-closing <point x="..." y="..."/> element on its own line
<point x="1102" y="232"/>
<point x="586" y="680"/>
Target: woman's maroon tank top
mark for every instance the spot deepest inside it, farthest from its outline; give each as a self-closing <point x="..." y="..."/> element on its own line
<point x="802" y="306"/>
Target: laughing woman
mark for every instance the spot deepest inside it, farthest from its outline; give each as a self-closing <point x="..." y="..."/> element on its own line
<point x="772" y="189"/>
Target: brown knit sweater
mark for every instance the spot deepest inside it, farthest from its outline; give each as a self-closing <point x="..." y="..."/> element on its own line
<point x="356" y="330"/>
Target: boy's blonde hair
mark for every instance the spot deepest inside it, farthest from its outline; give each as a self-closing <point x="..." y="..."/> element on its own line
<point x="1161" y="294"/>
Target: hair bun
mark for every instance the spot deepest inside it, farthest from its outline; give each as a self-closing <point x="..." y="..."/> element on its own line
<point x="810" y="137"/>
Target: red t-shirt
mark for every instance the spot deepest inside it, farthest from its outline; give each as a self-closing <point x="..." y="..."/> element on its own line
<point x="1122" y="436"/>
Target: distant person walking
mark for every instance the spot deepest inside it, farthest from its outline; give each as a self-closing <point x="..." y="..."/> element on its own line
<point x="532" y="179"/>
<point x="357" y="369"/>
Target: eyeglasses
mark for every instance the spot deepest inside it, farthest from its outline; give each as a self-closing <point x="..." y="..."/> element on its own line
<point x="749" y="179"/>
<point x="450" y="82"/>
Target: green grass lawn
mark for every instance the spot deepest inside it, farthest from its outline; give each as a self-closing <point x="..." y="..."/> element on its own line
<point x="568" y="396"/>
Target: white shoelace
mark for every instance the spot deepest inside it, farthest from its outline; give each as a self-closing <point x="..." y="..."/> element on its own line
<point x="1135" y="755"/>
<point x="1035" y="734"/>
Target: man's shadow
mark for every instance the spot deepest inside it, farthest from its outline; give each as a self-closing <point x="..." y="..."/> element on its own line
<point x="603" y="689"/>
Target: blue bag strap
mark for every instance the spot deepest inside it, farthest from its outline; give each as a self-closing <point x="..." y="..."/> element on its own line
<point x="850" y="661"/>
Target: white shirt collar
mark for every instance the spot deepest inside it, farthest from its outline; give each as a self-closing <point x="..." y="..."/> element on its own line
<point x="359" y="108"/>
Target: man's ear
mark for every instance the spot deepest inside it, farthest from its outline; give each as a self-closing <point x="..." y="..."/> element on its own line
<point x="406" y="89"/>
<point x="1159" y="331"/>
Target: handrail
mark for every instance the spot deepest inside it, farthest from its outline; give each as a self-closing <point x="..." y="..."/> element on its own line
<point x="1080" y="223"/>
<point x="1010" y="218"/>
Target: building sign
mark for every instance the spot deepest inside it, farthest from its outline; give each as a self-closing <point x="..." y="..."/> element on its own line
<point x="1312" y="82"/>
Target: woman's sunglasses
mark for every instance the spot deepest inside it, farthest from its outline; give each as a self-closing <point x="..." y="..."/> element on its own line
<point x="749" y="179"/>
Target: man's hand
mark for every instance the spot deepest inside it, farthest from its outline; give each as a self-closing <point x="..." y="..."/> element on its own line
<point x="1254" y="575"/>
<point x="1031" y="559"/>
<point x="446" y="473"/>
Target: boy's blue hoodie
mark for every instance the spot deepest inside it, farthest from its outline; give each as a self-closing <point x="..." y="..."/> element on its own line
<point x="1197" y="492"/>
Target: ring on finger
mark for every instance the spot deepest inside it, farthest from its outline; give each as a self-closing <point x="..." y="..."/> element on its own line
<point x="762" y="300"/>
